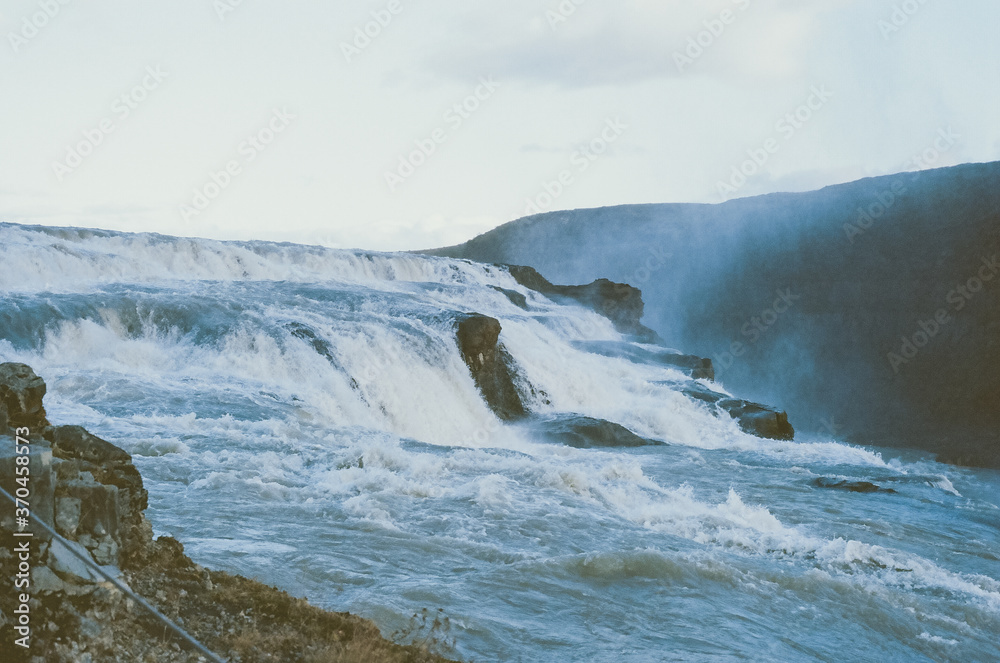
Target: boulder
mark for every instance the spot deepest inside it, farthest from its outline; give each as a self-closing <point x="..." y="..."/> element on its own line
<point x="587" y="432"/>
<point x="753" y="418"/>
<point x="21" y="393"/>
<point x="491" y="365"/>
<point x="758" y="420"/>
<point x="109" y="487"/>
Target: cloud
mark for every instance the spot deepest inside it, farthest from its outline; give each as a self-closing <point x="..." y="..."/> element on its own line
<point x="628" y="42"/>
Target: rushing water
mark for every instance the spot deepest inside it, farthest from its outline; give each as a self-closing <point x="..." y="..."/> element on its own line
<point x="303" y="416"/>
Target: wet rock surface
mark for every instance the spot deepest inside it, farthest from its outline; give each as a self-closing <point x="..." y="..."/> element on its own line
<point x="753" y="418"/>
<point x="491" y="365"/>
<point x="587" y="432"/>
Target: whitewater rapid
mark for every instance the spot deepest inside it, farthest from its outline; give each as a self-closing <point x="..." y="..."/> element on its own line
<point x="358" y="465"/>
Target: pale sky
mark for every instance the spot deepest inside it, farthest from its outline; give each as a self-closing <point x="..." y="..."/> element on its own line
<point x="122" y="115"/>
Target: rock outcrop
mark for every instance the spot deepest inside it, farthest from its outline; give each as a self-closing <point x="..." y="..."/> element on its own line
<point x="92" y="494"/>
<point x="21" y="394"/>
<point x="586" y="432"/>
<point x="491" y="365"/>
<point x="753" y="418"/>
<point x="618" y="302"/>
<point x="759" y="420"/>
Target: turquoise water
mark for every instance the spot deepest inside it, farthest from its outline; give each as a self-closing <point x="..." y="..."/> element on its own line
<point x="359" y="466"/>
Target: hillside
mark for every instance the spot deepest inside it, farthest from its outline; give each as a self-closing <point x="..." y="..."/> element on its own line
<point x="815" y="302"/>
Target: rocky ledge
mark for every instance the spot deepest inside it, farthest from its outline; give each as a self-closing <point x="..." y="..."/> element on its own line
<point x="91" y="493"/>
<point x="504" y="391"/>
<point x="619" y="302"/>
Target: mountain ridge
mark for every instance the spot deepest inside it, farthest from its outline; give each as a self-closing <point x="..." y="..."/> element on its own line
<point x="867" y="264"/>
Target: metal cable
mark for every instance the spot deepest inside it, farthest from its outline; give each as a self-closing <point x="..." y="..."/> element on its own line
<point x="122" y="586"/>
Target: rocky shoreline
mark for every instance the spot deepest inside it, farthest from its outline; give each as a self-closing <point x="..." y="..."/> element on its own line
<point x="92" y="494"/>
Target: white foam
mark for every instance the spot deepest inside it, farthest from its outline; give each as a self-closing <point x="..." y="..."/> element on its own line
<point x="70" y="259"/>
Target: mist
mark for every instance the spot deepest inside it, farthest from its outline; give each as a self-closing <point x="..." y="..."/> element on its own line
<point x="805" y="301"/>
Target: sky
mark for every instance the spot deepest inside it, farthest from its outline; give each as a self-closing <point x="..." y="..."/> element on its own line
<point x="407" y="124"/>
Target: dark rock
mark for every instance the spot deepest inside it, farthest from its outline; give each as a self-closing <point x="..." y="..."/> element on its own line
<point x="491" y="365"/>
<point x="109" y="486"/>
<point x="74" y="442"/>
<point x="516" y="298"/>
<point x="852" y="486"/>
<point x="700" y="393"/>
<point x="21" y="393"/>
<point x="586" y="432"/>
<point x="531" y="279"/>
<point x="101" y="514"/>
<point x="753" y="418"/>
<point x="322" y="348"/>
<point x="758" y="420"/>
<point x="618" y="302"/>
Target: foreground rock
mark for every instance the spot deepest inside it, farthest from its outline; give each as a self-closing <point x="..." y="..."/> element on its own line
<point x="491" y="365"/>
<point x="90" y="491"/>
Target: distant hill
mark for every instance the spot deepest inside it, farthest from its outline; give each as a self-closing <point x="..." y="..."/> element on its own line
<point x="869" y="309"/>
